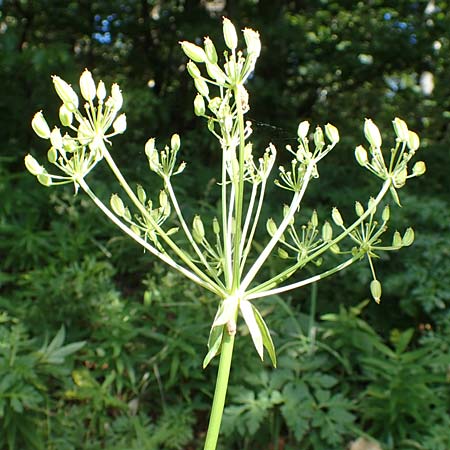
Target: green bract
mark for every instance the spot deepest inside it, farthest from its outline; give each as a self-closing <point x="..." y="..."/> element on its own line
<point x="221" y="256"/>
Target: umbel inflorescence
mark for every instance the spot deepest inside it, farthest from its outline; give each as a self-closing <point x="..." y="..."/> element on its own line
<point x="220" y="256"/>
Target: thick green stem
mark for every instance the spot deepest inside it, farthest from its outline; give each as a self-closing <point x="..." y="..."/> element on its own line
<point x="220" y="393"/>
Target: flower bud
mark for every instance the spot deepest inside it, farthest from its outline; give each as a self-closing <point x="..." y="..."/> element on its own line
<point x="359" y="209"/>
<point x="400" y="177"/>
<point x="101" y="91"/>
<point x="52" y="155"/>
<point x="282" y="253"/>
<point x="152" y="155"/>
<point x="199" y="105"/>
<point x="408" y="237"/>
<point x="40" y="126"/>
<point x="120" y="124"/>
<point x="142" y="196"/>
<point x="335" y="249"/>
<point x="413" y="141"/>
<point x="87" y="85"/>
<point x="175" y="142"/>
<point x="193" y="70"/>
<point x="117" y="205"/>
<point x="386" y="213"/>
<point x="327" y="232"/>
<point x="201" y="87"/>
<point x="163" y="200"/>
<point x="45" y="179"/>
<point x="332" y="133"/>
<point x="65" y="93"/>
<point x="419" y="168"/>
<point x="252" y="42"/>
<point x="193" y="52"/>
<point x="33" y="166"/>
<point x="375" y="290"/>
<point x="318" y="138"/>
<point x="361" y="155"/>
<point x="397" y="240"/>
<point x="337" y="218"/>
<point x="65" y="116"/>
<point x="210" y="51"/>
<point x="229" y="34"/>
<point x="216" y="226"/>
<point x="198" y="230"/>
<point x="117" y="97"/>
<point x="303" y="129"/>
<point x="56" y="138"/>
<point x="401" y="129"/>
<point x="314" y="219"/>
<point x="216" y="73"/>
<point x="372" y="133"/>
<point x="271" y="226"/>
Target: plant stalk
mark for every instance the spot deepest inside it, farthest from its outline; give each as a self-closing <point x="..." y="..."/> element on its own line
<point x="223" y="373"/>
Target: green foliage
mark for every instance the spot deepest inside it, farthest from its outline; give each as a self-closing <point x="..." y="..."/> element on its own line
<point x="26" y="373"/>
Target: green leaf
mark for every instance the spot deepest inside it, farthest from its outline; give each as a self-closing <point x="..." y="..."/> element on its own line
<point x="248" y="313"/>
<point x="214" y="342"/>
<point x="267" y="338"/>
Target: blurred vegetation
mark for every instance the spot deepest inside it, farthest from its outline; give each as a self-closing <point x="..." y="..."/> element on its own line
<point x="347" y="367"/>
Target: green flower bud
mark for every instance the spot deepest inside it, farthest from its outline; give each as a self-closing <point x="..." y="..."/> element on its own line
<point x="87" y="85"/>
<point x="40" y="126"/>
<point x="101" y="91"/>
<point x="216" y="73"/>
<point x="271" y="227"/>
<point x="375" y="289"/>
<point x="85" y="133"/>
<point x="229" y="34"/>
<point x="419" y="168"/>
<point x="152" y="155"/>
<point x="335" y="249"/>
<point x="56" y="138"/>
<point x="120" y="124"/>
<point x="117" y="205"/>
<point x="397" y="241"/>
<point x="372" y="133"/>
<point x="45" y="179"/>
<point x="400" y="177"/>
<point x="33" y="166"/>
<point x="361" y="155"/>
<point x="386" y="213"/>
<point x="193" y="70"/>
<point x="332" y="133"/>
<point x="318" y="138"/>
<point x="198" y="231"/>
<point x="252" y="42"/>
<point x="408" y="237"/>
<point x="65" y="93"/>
<point x="52" y="155"/>
<point x="175" y="142"/>
<point x="201" y="87"/>
<point x="210" y="51"/>
<point x="282" y="253"/>
<point x="117" y="97"/>
<point x="337" y="218"/>
<point x="216" y="226"/>
<point x="401" y="129"/>
<point x="314" y="219"/>
<point x="327" y="232"/>
<point x="303" y="129"/>
<point x="199" y="105"/>
<point x="163" y="199"/>
<point x="413" y="141"/>
<point x="359" y="209"/>
<point x="142" y="196"/>
<point x="135" y="229"/>
<point x="193" y="52"/>
<point x="65" y="116"/>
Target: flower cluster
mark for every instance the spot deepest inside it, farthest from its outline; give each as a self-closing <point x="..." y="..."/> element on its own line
<point x="76" y="154"/>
